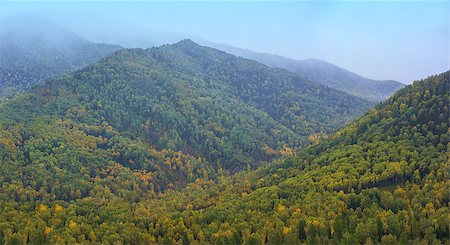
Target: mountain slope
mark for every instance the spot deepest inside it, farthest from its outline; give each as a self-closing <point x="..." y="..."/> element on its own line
<point x="139" y="122"/>
<point x="83" y="158"/>
<point x="76" y="169"/>
<point x="34" y="50"/>
<point x="230" y="111"/>
<point x="321" y="72"/>
<point x="382" y="179"/>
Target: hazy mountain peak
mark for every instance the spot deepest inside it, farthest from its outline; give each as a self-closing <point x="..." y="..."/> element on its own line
<point x="187" y="42"/>
<point x="39" y="30"/>
<point x="33" y="50"/>
<point x="186" y="45"/>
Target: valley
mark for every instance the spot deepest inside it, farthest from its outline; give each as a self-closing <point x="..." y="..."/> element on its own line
<point x="194" y="142"/>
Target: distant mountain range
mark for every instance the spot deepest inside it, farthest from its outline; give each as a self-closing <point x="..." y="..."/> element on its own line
<point x="34" y="50"/>
<point x="321" y="72"/>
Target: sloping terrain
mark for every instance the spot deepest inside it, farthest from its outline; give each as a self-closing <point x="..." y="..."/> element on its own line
<point x="140" y="122"/>
<point x="382" y="179"/>
<point x="321" y="72"/>
<point x="230" y="111"/>
<point x="72" y="176"/>
<point x="34" y="50"/>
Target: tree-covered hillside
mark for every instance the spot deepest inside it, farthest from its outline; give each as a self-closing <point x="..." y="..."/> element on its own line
<point x="382" y="179"/>
<point x="34" y="50"/>
<point x="232" y="112"/>
<point x="321" y="72"/>
<point x="80" y="165"/>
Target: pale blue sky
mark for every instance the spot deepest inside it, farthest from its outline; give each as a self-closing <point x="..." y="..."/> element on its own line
<point x="401" y="40"/>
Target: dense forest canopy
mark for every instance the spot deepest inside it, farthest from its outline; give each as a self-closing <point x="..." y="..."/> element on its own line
<point x="382" y="179"/>
<point x="138" y="147"/>
<point x="321" y="72"/>
<point x="233" y="113"/>
<point x="117" y="128"/>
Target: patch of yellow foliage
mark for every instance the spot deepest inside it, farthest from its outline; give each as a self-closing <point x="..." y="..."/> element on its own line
<point x="280" y="208"/>
<point x="72" y="224"/>
<point x="287" y="151"/>
<point x="58" y="208"/>
<point x="47" y="230"/>
<point x="42" y="208"/>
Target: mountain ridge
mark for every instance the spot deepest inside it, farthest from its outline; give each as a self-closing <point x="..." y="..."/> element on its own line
<point x="319" y="71"/>
<point x="201" y="102"/>
<point x="380" y="179"/>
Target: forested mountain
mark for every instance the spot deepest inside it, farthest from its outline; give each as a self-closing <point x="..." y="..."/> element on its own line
<point x="139" y="122"/>
<point x="321" y="72"/>
<point x="34" y="50"/>
<point x="84" y="157"/>
<point x="382" y="179"/>
<point x="206" y="103"/>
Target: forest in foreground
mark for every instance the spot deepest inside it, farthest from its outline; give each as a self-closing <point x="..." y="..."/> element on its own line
<point x="170" y="145"/>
